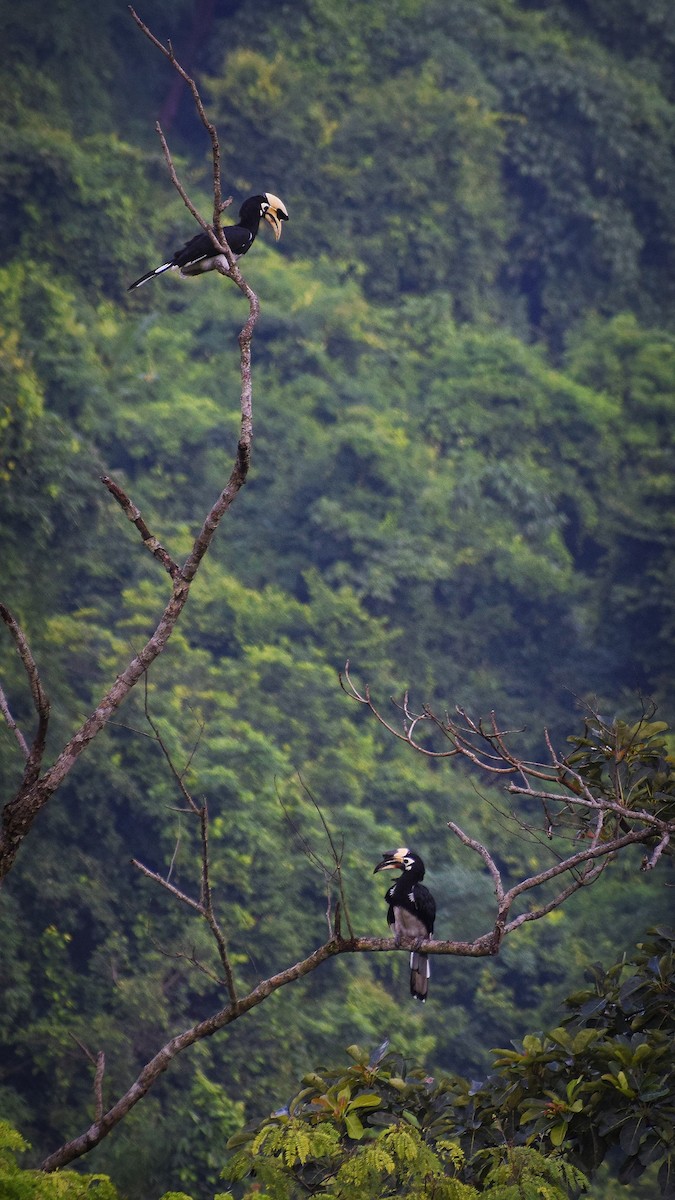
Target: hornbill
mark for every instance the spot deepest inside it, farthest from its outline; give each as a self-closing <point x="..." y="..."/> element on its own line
<point x="200" y="255"/>
<point x="412" y="911"/>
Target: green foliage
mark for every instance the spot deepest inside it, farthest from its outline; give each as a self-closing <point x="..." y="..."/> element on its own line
<point x="614" y="1085"/>
<point x="632" y="761"/>
<point x="395" y="1161"/>
<point x="434" y="494"/>
<point x="601" y="1080"/>
<point x="532" y="164"/>
<point x="19" y="1184"/>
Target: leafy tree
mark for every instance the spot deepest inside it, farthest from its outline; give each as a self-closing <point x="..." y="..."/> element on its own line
<point x="19" y="1184"/>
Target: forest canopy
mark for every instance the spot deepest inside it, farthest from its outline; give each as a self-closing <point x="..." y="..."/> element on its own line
<point x="461" y="481"/>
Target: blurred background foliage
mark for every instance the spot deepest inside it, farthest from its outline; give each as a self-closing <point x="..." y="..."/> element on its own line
<point x="462" y="481"/>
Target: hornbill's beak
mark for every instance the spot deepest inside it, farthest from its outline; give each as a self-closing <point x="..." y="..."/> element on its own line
<point x="275" y="214"/>
<point x="391" y="861"/>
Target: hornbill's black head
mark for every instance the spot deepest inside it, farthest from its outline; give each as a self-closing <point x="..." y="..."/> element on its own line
<point x="268" y="206"/>
<point x="402" y="859"/>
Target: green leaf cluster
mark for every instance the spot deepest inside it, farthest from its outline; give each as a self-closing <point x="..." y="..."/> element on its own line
<point x="549" y="1109"/>
<point x="19" y="1184"/>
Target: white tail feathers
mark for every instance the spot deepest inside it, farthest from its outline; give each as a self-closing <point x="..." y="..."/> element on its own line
<point x="149" y="275"/>
<point x="420" y="972"/>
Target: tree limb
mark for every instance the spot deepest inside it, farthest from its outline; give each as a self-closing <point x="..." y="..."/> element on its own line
<point x="12" y="725"/>
<point x="134" y="515"/>
<point x="152" y="1071"/>
<point x="40" y="701"/>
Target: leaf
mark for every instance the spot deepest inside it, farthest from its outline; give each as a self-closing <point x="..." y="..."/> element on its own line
<point x="666" y="1180"/>
<point x="357" y="1054"/>
<point x="561" y="1038"/>
<point x="354" y="1127"/>
<point x="378" y="1054"/>
<point x="631" y="1135"/>
<point x="630" y="1169"/>
<point x="367" y="1100"/>
<point x="583" y="1039"/>
<point x="382" y="1118"/>
<point x="557" y="1133"/>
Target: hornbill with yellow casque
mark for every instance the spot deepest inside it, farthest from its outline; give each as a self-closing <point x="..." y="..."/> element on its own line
<point x="412" y="911"/>
<point x="200" y="255"/>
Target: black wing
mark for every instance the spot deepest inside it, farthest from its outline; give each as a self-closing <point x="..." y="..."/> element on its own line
<point x="425" y="906"/>
<point x="201" y="246"/>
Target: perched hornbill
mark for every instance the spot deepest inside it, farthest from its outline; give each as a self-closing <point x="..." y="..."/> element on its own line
<point x="200" y="255"/>
<point x="412" y="911"/>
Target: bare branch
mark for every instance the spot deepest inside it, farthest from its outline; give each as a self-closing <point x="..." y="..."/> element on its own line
<point x="650" y="862"/>
<point x="215" y="233"/>
<point x="134" y="515"/>
<point x="207" y="907"/>
<point x="485" y="855"/>
<point x="168" y="53"/>
<point x="181" y="956"/>
<point x="98" y="1084"/>
<point x="349" y="687"/>
<point x="99" y="1063"/>
<point x="588" y="877"/>
<point x="152" y="1071"/>
<point x="177" y="775"/>
<point x="336" y="855"/>
<point x="169" y="887"/>
<point x="12" y="725"/>
<point x="40" y="699"/>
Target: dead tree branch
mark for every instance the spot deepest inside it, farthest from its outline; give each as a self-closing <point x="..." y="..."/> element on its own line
<point x="152" y="1071"/>
<point x="40" y="701"/>
<point x="614" y="827"/>
<point x="602" y="794"/>
<point x="134" y="515"/>
<point x="12" y="725"/>
<point x="36" y="789"/>
<point x="204" y="906"/>
<point x="168" y="53"/>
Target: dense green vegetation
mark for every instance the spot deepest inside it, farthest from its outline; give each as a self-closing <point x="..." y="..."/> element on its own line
<point x="601" y="1080"/>
<point x="462" y="482"/>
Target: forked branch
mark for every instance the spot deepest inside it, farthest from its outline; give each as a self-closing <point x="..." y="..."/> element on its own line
<point x="615" y="790"/>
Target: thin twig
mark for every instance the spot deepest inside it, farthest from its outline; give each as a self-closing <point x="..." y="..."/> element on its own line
<point x="134" y="515"/>
<point x="649" y="863"/>
<point x="215" y="233"/>
<point x="337" y="858"/>
<point x="169" y="887"/>
<point x="99" y="1063"/>
<point x="98" y="1085"/>
<point x="40" y="702"/>
<point x="168" y="53"/>
<point x="12" y="725"/>
<point x="207" y="906"/>
<point x="178" y="776"/>
<point x="485" y="855"/>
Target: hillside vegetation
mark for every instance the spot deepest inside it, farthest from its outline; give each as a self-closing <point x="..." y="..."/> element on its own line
<point x="462" y="482"/>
